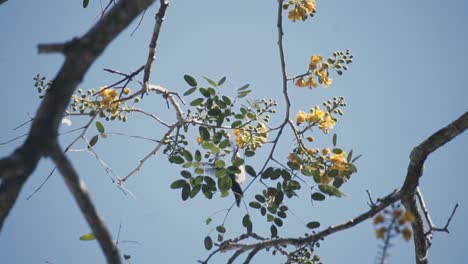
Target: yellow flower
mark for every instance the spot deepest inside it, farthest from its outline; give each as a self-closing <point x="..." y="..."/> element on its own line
<point x="310" y="6"/>
<point x="380" y="218"/>
<point x="338" y="158"/>
<point x="314" y="61"/>
<point x="301" y="83"/>
<point x="316" y="115"/>
<point x="380" y="232"/>
<point x="406" y="233"/>
<point x="127" y="91"/>
<point x="311" y="82"/>
<point x="300" y="117"/>
<point x="326" y="123"/>
<point x="396" y="213"/>
<point x="312" y="151"/>
<point x="408" y="217"/>
<point x="263" y="128"/>
<point x="296" y="14"/>
<point x="237" y="131"/>
<point x="325" y="151"/>
<point x="199" y="140"/>
<point x="325" y="179"/>
<point x="323" y="78"/>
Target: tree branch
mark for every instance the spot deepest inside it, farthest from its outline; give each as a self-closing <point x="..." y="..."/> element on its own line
<point x="80" y="54"/>
<point x="78" y="190"/>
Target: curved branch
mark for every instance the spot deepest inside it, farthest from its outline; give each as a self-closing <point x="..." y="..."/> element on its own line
<point x="78" y="190"/>
<point x="80" y="54"/>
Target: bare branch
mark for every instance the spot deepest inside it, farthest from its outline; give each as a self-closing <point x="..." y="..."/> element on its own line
<point x="152" y="46"/>
<point x="80" y="54"/>
<point x="415" y="167"/>
<point x="78" y="189"/>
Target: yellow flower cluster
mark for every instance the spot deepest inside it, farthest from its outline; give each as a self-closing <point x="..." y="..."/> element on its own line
<point x="398" y="218"/>
<point x="301" y="9"/>
<point x="109" y="97"/>
<point x="250" y="137"/>
<point x="317" y="68"/>
<point x="317" y="115"/>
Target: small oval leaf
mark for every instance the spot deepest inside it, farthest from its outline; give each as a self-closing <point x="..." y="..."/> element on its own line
<point x="190" y="80"/>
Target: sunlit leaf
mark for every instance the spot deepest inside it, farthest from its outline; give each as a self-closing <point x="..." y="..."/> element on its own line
<point x="100" y="127"/>
<point x="88" y="237"/>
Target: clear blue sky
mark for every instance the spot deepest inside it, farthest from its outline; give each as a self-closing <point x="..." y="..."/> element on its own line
<point x="406" y="82"/>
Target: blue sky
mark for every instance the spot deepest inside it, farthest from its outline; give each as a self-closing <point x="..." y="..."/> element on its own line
<point x="406" y="82"/>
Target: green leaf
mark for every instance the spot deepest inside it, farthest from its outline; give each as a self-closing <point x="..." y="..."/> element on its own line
<point x="209" y="181"/>
<point x="260" y="198"/>
<point x="334" y="139"/>
<point x="225" y="143"/>
<point x="220" y="172"/>
<point x="221" y="229"/>
<point x="208" y="242"/>
<point x="317" y="196"/>
<point x="195" y="190"/>
<point x="307" y="172"/>
<point x="207" y="145"/>
<point x="337" y="151"/>
<point x="197" y="155"/>
<point x="93" y="141"/>
<point x="255" y="205"/>
<point x="214" y="112"/>
<point x="278" y="222"/>
<point x="178" y="184"/>
<point x="238" y="162"/>
<point x="224" y="183"/>
<point x="88" y="237"/>
<point x="250" y="170"/>
<point x="236" y="123"/>
<point x="210" y="81"/>
<point x="293" y="165"/>
<point x="199" y="170"/>
<point x="196" y="102"/>
<point x="100" y="127"/>
<point x="352" y="168"/>
<point x="333" y="173"/>
<point x="247" y="223"/>
<point x="176" y="159"/>
<point x="356" y="158"/>
<point x="204" y="133"/>
<point x="190" y="91"/>
<point x="273" y="231"/>
<point x="249" y="153"/>
<point x="187" y="155"/>
<point x="127" y="257"/>
<point x="208" y="221"/>
<point x="243" y="93"/>
<point x="190" y="80"/>
<point x="204" y="92"/>
<point x="268" y="173"/>
<point x="186" y="192"/>
<point x="313" y="225"/>
<point x="186" y="174"/>
<point x="220" y="82"/>
<point x="282" y="214"/>
<point x="243" y="87"/>
<point x="331" y="190"/>
<point x="85" y="3"/>
<point x="220" y="163"/>
<point x="350" y="156"/>
<point x="227" y="100"/>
